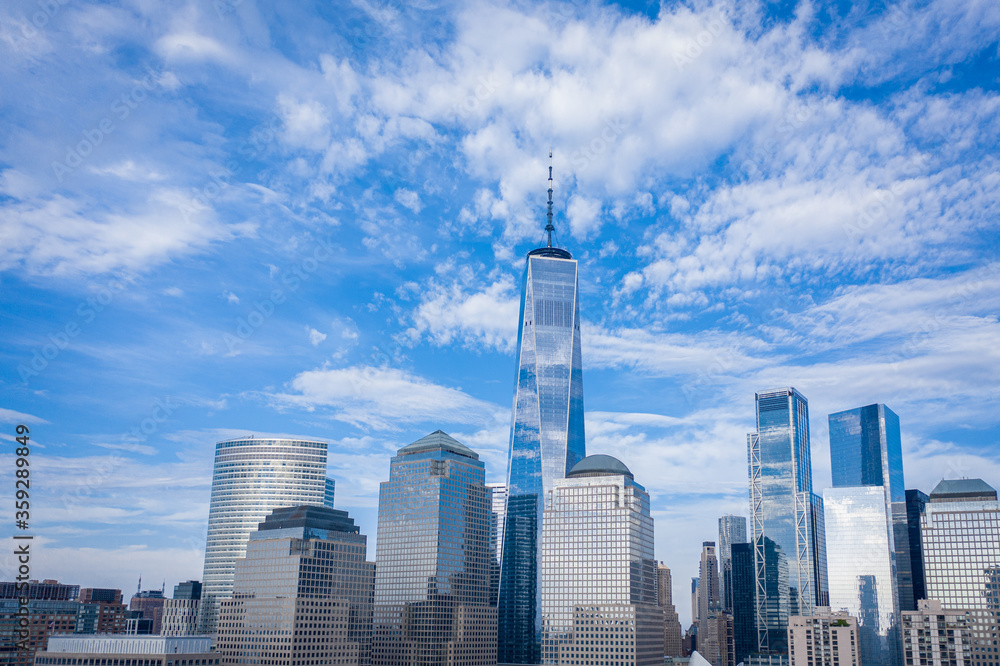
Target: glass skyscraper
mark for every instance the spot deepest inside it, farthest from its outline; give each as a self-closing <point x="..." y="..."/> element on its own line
<point x="546" y="439"/>
<point x="744" y="609"/>
<point x="786" y="517"/>
<point x="865" y="450"/>
<point x="732" y="530"/>
<point x="915" y="503"/>
<point x="599" y="578"/>
<point x="862" y="568"/>
<point x="252" y="477"/>
<point x="433" y="558"/>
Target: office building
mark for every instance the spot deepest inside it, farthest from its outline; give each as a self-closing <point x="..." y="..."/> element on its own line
<point x="51" y="609"/>
<point x="498" y="501"/>
<point x="785" y="510"/>
<point x="432" y="576"/>
<point x="865" y="450"/>
<point x="329" y="492"/>
<point x="129" y="651"/>
<point x="825" y="639"/>
<point x="732" y="529"/>
<point x="599" y="577"/>
<point x="915" y="503"/>
<point x="708" y="582"/>
<point x="302" y="593"/>
<point x="180" y="614"/>
<point x="252" y="477"/>
<point x="695" y="601"/>
<point x="744" y="608"/>
<point x="716" y="639"/>
<point x="960" y="530"/>
<point x="101" y="611"/>
<point x="861" y="564"/>
<point x="936" y="636"/>
<point x="150" y="603"/>
<point x="547" y="435"/>
<point x="673" y="635"/>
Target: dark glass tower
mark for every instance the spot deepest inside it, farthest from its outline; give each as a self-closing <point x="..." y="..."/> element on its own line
<point x="865" y="450"/>
<point x="546" y="438"/>
<point x="790" y="571"/>
<point x="742" y="590"/>
<point x="915" y="502"/>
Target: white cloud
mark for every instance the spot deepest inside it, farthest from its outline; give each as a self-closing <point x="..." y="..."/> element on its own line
<point x="315" y="337"/>
<point x="408" y="199"/>
<point x="11" y="416"/>
<point x="584" y="216"/>
<point x="453" y="313"/>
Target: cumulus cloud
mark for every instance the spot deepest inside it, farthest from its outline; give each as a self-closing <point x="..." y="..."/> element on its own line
<point x="452" y="313"/>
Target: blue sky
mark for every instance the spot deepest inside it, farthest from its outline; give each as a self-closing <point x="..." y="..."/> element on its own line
<point x="311" y="218"/>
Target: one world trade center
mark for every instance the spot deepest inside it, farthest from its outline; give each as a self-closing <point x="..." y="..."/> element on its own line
<point x="546" y="437"/>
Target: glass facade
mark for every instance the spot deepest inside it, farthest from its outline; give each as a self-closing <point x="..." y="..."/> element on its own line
<point x="786" y="517"/>
<point x="915" y="502"/>
<point x="498" y="494"/>
<point x="433" y="556"/>
<point x="252" y="477"/>
<point x="862" y="568"/>
<point x="865" y="450"/>
<point x="547" y="438"/>
<point x="744" y="609"/>
<point x="732" y="530"/>
<point x="599" y="578"/>
<point x="960" y="530"/>
<point x="302" y="594"/>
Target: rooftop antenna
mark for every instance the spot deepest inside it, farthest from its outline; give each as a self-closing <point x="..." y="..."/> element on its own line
<point x="548" y="227"/>
<point x="138" y="588"/>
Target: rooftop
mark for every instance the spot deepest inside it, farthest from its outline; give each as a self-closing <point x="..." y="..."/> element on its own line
<point x="949" y="490"/>
<point x="438" y="440"/>
<point x="599" y="465"/>
<point x="311" y="516"/>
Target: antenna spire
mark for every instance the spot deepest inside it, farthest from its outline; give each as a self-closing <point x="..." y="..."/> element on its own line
<point x="548" y="227"/>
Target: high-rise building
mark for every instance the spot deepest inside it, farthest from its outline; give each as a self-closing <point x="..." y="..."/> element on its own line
<point x="865" y="450"/>
<point x="672" y="633"/>
<point x="825" y="639"/>
<point x="252" y="477"/>
<point x="51" y="609"/>
<point x="861" y="561"/>
<point x="695" y="600"/>
<point x="302" y="593"/>
<point x="180" y="614"/>
<point x="961" y="542"/>
<point x="715" y="638"/>
<point x="744" y="609"/>
<point x="432" y="576"/>
<point x="547" y="435"/>
<point x="329" y="492"/>
<point x="708" y="582"/>
<point x="915" y="502"/>
<point x="599" y="577"/>
<point x="732" y="529"/>
<point x="150" y="603"/>
<point x="498" y="502"/>
<point x="785" y="510"/>
<point x="936" y="636"/>
<point x="101" y="611"/>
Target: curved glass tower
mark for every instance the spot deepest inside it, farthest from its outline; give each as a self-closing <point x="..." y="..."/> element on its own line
<point x="251" y="478"/>
<point x="546" y="436"/>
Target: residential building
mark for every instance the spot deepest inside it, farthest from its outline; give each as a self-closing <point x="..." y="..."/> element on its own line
<point x="252" y="477"/>
<point x="672" y="632"/>
<point x="599" y="576"/>
<point x="433" y="563"/>
<point x="129" y="651"/>
<point x="825" y="638"/>
<point x="861" y="563"/>
<point x="785" y="510"/>
<point x="25" y="630"/>
<point x="865" y="450"/>
<point x="547" y="435"/>
<point x="101" y="611"/>
<point x="302" y="593"/>
<point x="716" y="638"/>
<point x="708" y="583"/>
<point x="915" y="503"/>
<point x="937" y="636"/>
<point x="732" y="529"/>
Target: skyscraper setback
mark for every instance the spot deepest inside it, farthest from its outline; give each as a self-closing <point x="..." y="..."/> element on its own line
<point x="786" y="517"/>
<point x="547" y="434"/>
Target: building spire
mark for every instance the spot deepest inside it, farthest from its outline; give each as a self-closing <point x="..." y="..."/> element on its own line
<point x="548" y="227"/>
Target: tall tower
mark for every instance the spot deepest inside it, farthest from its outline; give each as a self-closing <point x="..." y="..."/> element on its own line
<point x="251" y="478"/>
<point x="432" y="575"/>
<point x="732" y="530"/>
<point x="865" y="450"/>
<point x="546" y="435"/>
<point x="708" y="581"/>
<point x="786" y="517"/>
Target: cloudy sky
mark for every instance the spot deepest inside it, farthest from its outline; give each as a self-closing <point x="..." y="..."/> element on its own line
<point x="310" y="218"/>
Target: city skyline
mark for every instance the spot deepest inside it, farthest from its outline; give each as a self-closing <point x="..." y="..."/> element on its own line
<point x="297" y="225"/>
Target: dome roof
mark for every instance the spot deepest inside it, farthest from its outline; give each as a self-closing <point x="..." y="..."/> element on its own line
<point x="599" y="465"/>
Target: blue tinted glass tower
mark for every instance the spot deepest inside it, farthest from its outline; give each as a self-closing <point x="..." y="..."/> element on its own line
<point x="865" y="450"/>
<point x="546" y="438"/>
<point x="786" y="518"/>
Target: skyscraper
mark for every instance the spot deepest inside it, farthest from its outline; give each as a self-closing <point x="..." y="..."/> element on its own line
<point x="432" y="576"/>
<point x="498" y="501"/>
<point x="785" y="512"/>
<point x="672" y="634"/>
<point x="825" y="639"/>
<point x="708" y="581"/>
<point x="546" y="438"/>
<point x="599" y="578"/>
<point x="732" y="530"/>
<point x="302" y="594"/>
<point x="744" y="609"/>
<point x="915" y="503"/>
<point x="865" y="450"/>
<point x="252" y="477"/>
<point x="862" y="568"/>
